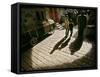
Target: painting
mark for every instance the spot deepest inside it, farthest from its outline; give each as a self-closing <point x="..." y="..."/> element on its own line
<point x="54" y="37"/>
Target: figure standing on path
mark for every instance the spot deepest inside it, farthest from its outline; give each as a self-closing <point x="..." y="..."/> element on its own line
<point x="66" y="25"/>
<point x="76" y="45"/>
<point x="71" y="24"/>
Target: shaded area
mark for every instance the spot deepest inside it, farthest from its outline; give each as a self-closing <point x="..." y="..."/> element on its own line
<point x="57" y="45"/>
<point x="30" y="45"/>
<point x="89" y="35"/>
<point x="63" y="44"/>
<point x="26" y="61"/>
<point x="76" y="45"/>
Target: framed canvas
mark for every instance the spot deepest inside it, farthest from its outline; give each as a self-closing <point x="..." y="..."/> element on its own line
<point x="48" y="38"/>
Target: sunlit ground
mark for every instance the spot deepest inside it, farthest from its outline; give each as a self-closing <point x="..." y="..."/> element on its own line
<point x="39" y="56"/>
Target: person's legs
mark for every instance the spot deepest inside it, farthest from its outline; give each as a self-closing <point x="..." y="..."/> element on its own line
<point x="71" y="31"/>
<point x="67" y="32"/>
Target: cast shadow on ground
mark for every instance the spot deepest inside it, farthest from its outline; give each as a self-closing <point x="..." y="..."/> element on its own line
<point x="62" y="43"/>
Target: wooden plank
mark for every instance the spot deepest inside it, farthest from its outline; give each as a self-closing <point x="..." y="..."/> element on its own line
<point x="32" y="63"/>
<point x="41" y="58"/>
<point x="78" y="54"/>
<point x="49" y="57"/>
<point x="60" y="55"/>
<point x="27" y="64"/>
<point x="37" y="61"/>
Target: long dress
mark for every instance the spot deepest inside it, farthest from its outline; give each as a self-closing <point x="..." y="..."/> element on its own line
<point x="76" y="45"/>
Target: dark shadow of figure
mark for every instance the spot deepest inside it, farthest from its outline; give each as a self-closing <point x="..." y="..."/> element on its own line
<point x="76" y="45"/>
<point x="62" y="42"/>
<point x="57" y="45"/>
